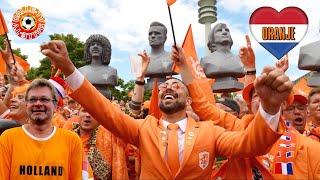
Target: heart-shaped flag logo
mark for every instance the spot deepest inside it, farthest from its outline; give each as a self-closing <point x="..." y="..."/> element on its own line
<point x="278" y="32"/>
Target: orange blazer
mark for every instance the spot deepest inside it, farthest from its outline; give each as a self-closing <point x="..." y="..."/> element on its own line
<point x="203" y="140"/>
<point x="307" y="161"/>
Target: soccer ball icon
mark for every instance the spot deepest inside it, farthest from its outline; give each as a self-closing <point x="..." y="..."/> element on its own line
<point x="28" y="22"/>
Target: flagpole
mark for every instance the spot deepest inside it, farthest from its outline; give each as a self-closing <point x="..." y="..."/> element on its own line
<point x="174" y="38"/>
<point x="14" y="60"/>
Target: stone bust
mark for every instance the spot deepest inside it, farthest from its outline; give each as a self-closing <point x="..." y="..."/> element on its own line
<point x="309" y="59"/>
<point x="97" y="53"/>
<point x="160" y="62"/>
<point x="221" y="63"/>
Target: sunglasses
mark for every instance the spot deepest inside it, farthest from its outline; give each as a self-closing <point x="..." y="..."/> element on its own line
<point x="164" y="86"/>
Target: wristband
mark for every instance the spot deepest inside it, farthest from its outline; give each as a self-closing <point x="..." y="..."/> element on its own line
<point x="251" y="72"/>
<point x="140" y="83"/>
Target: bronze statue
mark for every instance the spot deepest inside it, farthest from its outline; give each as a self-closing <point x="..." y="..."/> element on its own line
<point x="97" y="53"/>
<point x="160" y="62"/>
<point x="309" y="59"/>
<point x="221" y="64"/>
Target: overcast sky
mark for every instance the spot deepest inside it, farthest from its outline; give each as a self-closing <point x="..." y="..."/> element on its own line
<point x="126" y="22"/>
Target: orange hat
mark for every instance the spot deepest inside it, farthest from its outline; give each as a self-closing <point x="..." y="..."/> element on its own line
<point x="247" y="93"/>
<point x="299" y="96"/>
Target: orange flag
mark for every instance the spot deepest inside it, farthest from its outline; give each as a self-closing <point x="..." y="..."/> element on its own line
<point x="192" y="60"/>
<point x="23" y="63"/>
<point x="3" y="25"/>
<point x="154" y="107"/>
<point x="170" y="2"/>
<point x="301" y="87"/>
<point x="3" y="66"/>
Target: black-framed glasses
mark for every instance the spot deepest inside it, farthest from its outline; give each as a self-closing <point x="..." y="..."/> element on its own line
<point x="43" y="100"/>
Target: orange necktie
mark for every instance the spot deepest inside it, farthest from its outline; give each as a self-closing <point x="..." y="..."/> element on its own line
<point x="173" y="149"/>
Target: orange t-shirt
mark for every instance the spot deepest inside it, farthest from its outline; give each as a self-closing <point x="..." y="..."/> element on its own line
<point x="23" y="156"/>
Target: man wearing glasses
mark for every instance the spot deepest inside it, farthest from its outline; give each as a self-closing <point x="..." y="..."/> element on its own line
<point x="39" y="150"/>
<point x="176" y="146"/>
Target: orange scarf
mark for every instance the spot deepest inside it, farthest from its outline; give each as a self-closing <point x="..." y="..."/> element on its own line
<point x="281" y="157"/>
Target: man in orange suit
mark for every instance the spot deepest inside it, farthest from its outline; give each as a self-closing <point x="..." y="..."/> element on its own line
<point x="176" y="146"/>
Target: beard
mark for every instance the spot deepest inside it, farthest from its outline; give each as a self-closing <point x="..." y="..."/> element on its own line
<point x="172" y="108"/>
<point x="41" y="118"/>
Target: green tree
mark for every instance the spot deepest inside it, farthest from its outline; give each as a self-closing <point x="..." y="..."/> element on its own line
<point x="121" y="91"/>
<point x="75" y="49"/>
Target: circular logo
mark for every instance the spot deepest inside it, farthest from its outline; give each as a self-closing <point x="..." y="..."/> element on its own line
<point x="28" y="22"/>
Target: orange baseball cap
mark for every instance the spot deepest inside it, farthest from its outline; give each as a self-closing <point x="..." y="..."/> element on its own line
<point x="247" y="93"/>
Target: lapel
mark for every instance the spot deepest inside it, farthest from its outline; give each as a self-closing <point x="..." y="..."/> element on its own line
<point x="191" y="135"/>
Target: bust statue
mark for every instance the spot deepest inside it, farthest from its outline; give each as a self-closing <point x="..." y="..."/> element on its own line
<point x="160" y="62"/>
<point x="97" y="53"/>
<point x="221" y="64"/>
<point x="309" y="59"/>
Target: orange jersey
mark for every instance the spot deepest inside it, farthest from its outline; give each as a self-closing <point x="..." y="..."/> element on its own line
<point x="25" y="157"/>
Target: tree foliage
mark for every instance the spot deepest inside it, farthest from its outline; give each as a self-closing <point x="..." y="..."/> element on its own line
<point x="75" y="49"/>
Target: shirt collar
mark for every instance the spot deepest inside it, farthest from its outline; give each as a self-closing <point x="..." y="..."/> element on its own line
<point x="182" y="124"/>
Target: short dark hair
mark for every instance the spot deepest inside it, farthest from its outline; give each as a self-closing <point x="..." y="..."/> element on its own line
<point x="313" y="92"/>
<point x="39" y="83"/>
<point x="156" y="23"/>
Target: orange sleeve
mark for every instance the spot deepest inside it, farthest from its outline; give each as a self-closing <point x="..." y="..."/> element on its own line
<point x="109" y="116"/>
<point x="208" y="111"/>
<point x="5" y="157"/>
<point x="256" y="139"/>
<point x="76" y="158"/>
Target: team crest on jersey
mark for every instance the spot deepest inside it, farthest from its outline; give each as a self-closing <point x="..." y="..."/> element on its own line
<point x="203" y="159"/>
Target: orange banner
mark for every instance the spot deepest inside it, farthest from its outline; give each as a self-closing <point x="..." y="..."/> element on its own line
<point x="170" y="2"/>
<point x="3" y="25"/>
<point x="23" y="63"/>
<point x="154" y="107"/>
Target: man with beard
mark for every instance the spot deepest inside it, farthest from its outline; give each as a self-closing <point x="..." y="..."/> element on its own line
<point x="296" y="112"/>
<point x="103" y="151"/>
<point x="175" y="146"/>
<point x="313" y="130"/>
<point x="39" y="150"/>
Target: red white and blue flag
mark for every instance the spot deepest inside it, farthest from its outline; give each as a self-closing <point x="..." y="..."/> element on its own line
<point x="283" y="168"/>
<point x="278" y="32"/>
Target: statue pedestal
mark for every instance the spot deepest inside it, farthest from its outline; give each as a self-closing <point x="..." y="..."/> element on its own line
<point x="226" y="84"/>
<point x="104" y="90"/>
<point x="314" y="79"/>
